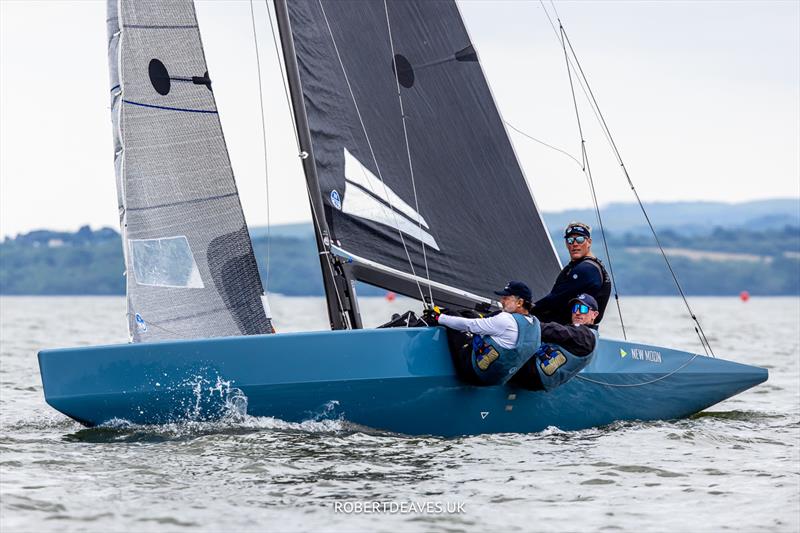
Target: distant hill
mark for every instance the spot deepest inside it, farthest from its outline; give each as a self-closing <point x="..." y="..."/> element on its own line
<point x="687" y="218"/>
<point x="716" y="249"/>
<point x="692" y="218"/>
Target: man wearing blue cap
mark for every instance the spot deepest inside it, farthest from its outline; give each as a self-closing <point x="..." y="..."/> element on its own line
<point x="565" y="349"/>
<point x="584" y="274"/>
<point x="488" y="351"/>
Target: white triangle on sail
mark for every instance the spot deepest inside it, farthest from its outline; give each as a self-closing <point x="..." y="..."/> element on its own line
<point x="378" y="203"/>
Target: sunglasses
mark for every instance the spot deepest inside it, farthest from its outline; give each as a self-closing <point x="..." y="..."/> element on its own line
<point x="579" y="239"/>
<point x="580" y="308"/>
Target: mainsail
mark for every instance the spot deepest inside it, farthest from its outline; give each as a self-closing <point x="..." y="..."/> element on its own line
<point x="440" y="197"/>
<point x="191" y="272"/>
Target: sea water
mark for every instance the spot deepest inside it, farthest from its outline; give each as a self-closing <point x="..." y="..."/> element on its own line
<point x="733" y="467"/>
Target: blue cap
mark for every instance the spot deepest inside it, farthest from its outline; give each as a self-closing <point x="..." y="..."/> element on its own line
<point x="578" y="228"/>
<point x="516" y="288"/>
<point x="586" y="300"/>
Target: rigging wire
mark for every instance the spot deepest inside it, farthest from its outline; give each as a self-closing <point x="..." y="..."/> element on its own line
<point x="643" y="383"/>
<point x="588" y="171"/>
<point x="372" y="151"/>
<point x="263" y="142"/>
<point x="302" y="154"/>
<point x="698" y="328"/>
<point x="557" y="149"/>
<point x="572" y="66"/>
<point x="584" y="84"/>
<point x="408" y="154"/>
<point x="284" y="76"/>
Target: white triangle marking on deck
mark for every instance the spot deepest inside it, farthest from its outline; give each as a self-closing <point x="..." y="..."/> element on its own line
<point x="484" y="414"/>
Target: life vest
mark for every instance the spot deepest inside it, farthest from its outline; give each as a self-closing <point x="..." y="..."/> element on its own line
<point x="604" y="293"/>
<point x="556" y="366"/>
<point x="493" y="364"/>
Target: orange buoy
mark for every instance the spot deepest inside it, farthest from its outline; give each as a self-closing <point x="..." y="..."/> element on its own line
<point x="390" y="296"/>
<point x="744" y="296"/>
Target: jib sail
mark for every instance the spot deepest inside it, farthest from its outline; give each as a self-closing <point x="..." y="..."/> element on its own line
<point x="190" y="266"/>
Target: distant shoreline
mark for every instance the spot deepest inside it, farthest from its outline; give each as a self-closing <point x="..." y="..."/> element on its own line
<point x="716" y="249"/>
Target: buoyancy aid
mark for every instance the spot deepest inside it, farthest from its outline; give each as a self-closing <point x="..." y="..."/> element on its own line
<point x="604" y="293"/>
<point x="495" y="365"/>
<point x="556" y="365"/>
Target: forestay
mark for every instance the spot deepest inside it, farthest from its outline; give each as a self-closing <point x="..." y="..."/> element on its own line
<point x="190" y="267"/>
<point x="467" y="220"/>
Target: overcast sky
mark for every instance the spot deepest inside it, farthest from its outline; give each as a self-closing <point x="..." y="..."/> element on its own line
<point x="703" y="99"/>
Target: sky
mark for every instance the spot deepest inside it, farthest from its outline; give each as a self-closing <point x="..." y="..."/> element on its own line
<point x="702" y="97"/>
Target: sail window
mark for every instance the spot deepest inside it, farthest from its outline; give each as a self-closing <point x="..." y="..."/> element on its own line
<point x="166" y="262"/>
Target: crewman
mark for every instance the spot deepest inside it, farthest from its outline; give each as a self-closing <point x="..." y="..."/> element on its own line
<point x="565" y="350"/>
<point x="584" y="274"/>
<point x="488" y="351"/>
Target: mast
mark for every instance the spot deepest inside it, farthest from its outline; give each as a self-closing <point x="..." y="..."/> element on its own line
<point x="339" y="284"/>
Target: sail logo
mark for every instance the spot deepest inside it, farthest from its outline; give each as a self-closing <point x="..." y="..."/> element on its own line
<point x="367" y="197"/>
<point x="141" y="325"/>
<point x="336" y="200"/>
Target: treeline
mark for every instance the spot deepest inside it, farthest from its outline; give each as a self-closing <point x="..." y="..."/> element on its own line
<point x="774" y="242"/>
<point x="90" y="262"/>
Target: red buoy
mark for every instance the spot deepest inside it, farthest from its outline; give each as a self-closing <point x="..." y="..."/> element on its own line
<point x="390" y="296"/>
<point x="744" y="296"/>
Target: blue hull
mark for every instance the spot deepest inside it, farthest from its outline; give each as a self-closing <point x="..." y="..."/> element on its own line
<point x="400" y="380"/>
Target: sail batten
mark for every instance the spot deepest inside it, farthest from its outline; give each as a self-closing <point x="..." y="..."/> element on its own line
<point x="474" y="224"/>
<point x="191" y="271"/>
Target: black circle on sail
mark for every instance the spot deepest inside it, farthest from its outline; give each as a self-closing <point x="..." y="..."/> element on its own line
<point x="159" y="76"/>
<point x="404" y="71"/>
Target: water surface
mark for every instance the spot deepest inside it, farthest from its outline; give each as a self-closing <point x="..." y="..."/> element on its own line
<point x="734" y="467"/>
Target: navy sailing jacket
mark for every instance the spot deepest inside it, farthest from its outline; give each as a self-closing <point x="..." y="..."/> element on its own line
<point x="581" y="275"/>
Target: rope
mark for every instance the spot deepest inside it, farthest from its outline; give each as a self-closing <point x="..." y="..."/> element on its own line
<point x="408" y="154"/>
<point x="624" y="385"/>
<point x="263" y="141"/>
<point x="587" y="170"/>
<point x="303" y="155"/>
<point x="369" y="145"/>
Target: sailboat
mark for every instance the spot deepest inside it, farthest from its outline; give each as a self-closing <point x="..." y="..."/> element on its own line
<point x="406" y="159"/>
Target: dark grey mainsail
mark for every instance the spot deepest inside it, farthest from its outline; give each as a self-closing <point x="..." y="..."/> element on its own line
<point x="467" y="220"/>
<point x="190" y="267"/>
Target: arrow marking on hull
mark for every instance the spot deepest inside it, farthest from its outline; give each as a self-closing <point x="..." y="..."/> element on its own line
<point x="622" y="353"/>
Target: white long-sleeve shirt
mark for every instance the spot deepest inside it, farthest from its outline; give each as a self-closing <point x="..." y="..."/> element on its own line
<point x="501" y="327"/>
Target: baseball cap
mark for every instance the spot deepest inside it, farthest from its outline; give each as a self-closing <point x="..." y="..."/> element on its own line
<point x="516" y="288"/>
<point x="585" y="299"/>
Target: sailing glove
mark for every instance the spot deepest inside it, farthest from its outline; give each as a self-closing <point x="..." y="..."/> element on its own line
<point x="431" y="316"/>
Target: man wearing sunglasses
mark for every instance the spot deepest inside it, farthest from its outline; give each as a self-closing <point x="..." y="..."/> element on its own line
<point x="583" y="274"/>
<point x="565" y="349"/>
